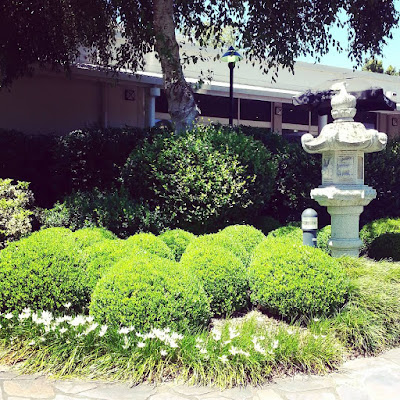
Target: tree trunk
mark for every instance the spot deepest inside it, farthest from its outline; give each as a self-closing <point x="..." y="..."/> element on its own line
<point x="181" y="103"/>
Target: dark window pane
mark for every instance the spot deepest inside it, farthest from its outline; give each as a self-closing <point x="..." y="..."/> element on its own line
<point x="162" y="103"/>
<point x="255" y="110"/>
<point x="215" y="106"/>
<point x="367" y="118"/>
<point x="293" y="115"/>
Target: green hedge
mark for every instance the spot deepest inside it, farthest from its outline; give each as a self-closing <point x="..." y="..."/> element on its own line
<point x="147" y="292"/>
<point x="89" y="236"/>
<point x="293" y="281"/>
<point x="374" y="229"/>
<point x="323" y="237"/>
<point x="203" y="179"/>
<point x="223" y="275"/>
<point x="385" y="246"/>
<point x="177" y="240"/>
<point x="44" y="271"/>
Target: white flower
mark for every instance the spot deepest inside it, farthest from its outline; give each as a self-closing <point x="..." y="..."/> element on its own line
<point x="31" y="343"/>
<point x="223" y="359"/>
<point x="275" y="344"/>
<point x="199" y="340"/>
<point x="315" y="336"/>
<point x="290" y="331"/>
<point x="103" y="330"/>
<point x="141" y="344"/>
<point x="25" y="314"/>
<point x="126" y="343"/>
<point x="323" y="336"/>
<point x="233" y="332"/>
<point x="90" y="319"/>
<point x="244" y="353"/>
<point x="78" y="320"/>
<point x="67" y="305"/>
<point x="173" y="344"/>
<point x="259" y="348"/>
<point x="42" y="339"/>
<point x="203" y="351"/>
<point x="163" y="352"/>
<point x="63" y="330"/>
<point x="91" y="328"/>
<point x="233" y="350"/>
<point x="316" y="319"/>
<point x="8" y="316"/>
<point x="176" y="336"/>
<point x="216" y="334"/>
<point x="124" y="330"/>
<point x="226" y="342"/>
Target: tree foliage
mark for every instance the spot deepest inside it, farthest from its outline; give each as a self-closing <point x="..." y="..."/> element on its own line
<point x="272" y="32"/>
<point x="374" y="65"/>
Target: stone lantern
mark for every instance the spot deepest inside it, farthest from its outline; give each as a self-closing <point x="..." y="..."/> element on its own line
<point x="342" y="145"/>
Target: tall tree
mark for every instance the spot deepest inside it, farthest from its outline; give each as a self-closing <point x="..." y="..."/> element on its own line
<point x="373" y="65"/>
<point x="272" y="32"/>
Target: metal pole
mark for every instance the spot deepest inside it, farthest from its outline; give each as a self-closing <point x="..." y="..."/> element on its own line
<point x="231" y="66"/>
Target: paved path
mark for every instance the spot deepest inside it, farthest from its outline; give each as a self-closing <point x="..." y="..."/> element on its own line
<point x="361" y="379"/>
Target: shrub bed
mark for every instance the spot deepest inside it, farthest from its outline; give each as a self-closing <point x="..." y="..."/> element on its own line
<point x="294" y="281"/>
<point x="385" y="246"/>
<point x="89" y="236"/>
<point x="222" y="274"/>
<point x="147" y="292"/>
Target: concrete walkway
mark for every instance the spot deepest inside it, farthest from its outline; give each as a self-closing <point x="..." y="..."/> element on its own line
<point x="361" y="379"/>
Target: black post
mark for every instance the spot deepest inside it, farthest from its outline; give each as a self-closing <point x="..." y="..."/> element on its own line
<point x="231" y="66"/>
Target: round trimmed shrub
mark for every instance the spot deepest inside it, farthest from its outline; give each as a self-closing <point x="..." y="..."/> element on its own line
<point x="323" y="237"/>
<point x="204" y="178"/>
<point x="148" y="291"/>
<point x="266" y="224"/>
<point x="101" y="256"/>
<point x="44" y="271"/>
<point x="371" y="231"/>
<point x="248" y="236"/>
<point x="151" y="244"/>
<point x="222" y="274"/>
<point x="177" y="240"/>
<point x="220" y="240"/>
<point x="386" y="245"/>
<point x="289" y="232"/>
<point x="88" y="236"/>
<point x="292" y="280"/>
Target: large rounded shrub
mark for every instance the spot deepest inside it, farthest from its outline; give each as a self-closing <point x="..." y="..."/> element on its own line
<point x="385" y="246"/>
<point x="222" y="274"/>
<point x="220" y="240"/>
<point x="147" y="292"/>
<point x="102" y="255"/>
<point x="248" y="236"/>
<point x="203" y="178"/>
<point x="151" y="244"/>
<point x="177" y="240"/>
<point x="44" y="271"/>
<point x="374" y="229"/>
<point x="292" y="280"/>
<point x="290" y="232"/>
<point x="88" y="236"/>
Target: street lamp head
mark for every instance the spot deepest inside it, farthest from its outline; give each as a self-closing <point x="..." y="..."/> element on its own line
<point x="231" y="56"/>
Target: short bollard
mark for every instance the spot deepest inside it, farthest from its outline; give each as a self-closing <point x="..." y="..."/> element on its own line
<point x="309" y="225"/>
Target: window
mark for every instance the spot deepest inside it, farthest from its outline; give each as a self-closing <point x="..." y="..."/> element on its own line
<point x="255" y="110"/>
<point x="293" y="115"/>
<point x="215" y="106"/>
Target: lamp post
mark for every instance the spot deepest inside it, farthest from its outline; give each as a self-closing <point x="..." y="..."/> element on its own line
<point x="231" y="57"/>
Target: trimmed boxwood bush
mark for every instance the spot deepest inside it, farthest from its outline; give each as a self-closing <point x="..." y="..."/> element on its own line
<point x="202" y="179"/>
<point x="177" y="240"/>
<point x="289" y="232"/>
<point x="248" y="236"/>
<point x="89" y="236"/>
<point x="220" y="240"/>
<point x="148" y="291"/>
<point x="292" y="280"/>
<point x="44" y="271"/>
<point x="374" y="229"/>
<point x="222" y="274"/>
<point x="151" y="244"/>
<point x="102" y="255"/>
<point x="323" y="237"/>
<point x="384" y="246"/>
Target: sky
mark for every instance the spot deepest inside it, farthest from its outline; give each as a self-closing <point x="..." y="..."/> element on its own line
<point x="391" y="51"/>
